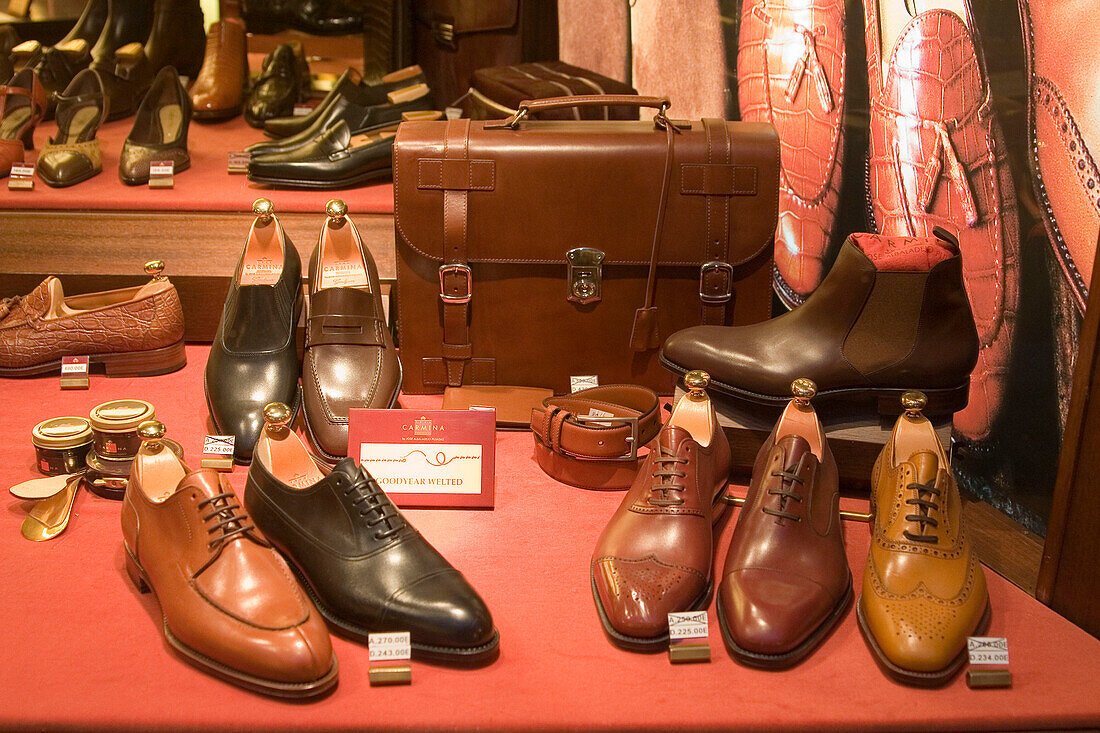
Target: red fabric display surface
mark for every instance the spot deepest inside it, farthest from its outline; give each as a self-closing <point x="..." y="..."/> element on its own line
<point x="80" y="647"/>
<point x="205" y="186"/>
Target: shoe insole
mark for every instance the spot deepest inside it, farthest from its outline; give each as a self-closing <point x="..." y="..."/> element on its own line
<point x="341" y="259"/>
<point x="263" y="255"/>
<point x="170" y="117"/>
<point x="287" y="459"/>
<point x="802" y="421"/>
<point x="696" y="417"/>
<point x="894" y="15"/>
<point x="13" y="121"/>
<point x="82" y="119"/>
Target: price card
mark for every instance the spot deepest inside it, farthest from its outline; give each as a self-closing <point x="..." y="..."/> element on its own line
<point x="987" y="649"/>
<point x="688" y="632"/>
<point x="162" y="174"/>
<point x="453" y="113"/>
<point x="74" y="372"/>
<point x="238" y="161"/>
<point x="217" y="452"/>
<point x="301" y="110"/>
<point x="21" y="177"/>
<point x="583" y="381"/>
<point x="387" y="652"/>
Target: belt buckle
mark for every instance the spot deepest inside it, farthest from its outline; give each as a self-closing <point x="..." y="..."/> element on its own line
<point x="444" y="270"/>
<point x="630" y="455"/>
<point x="720" y="297"/>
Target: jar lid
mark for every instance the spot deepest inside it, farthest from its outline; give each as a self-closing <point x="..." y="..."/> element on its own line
<point x="121" y="416"/>
<point x="61" y="432"/>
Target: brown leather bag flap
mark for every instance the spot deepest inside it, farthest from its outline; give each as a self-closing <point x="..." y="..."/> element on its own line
<point x="467" y="17"/>
<point x="536" y="192"/>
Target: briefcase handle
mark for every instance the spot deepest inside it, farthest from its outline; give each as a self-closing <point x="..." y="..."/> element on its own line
<point x="526" y="107"/>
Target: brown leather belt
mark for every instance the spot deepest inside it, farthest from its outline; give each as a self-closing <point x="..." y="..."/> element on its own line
<point x="590" y="439"/>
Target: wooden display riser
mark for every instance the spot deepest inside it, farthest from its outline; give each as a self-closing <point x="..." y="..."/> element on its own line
<point x="101" y="250"/>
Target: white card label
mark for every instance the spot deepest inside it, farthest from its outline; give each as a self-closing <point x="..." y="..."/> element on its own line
<point x="594" y="414"/>
<point x="162" y="169"/>
<point x="687" y="625"/>
<point x="80" y="367"/>
<point x="390" y="646"/>
<point x="583" y="381"/>
<point x="218" y="445"/>
<point x="987" y="649"/>
<point x="402" y="468"/>
<point x="453" y="113"/>
<point x="19" y="170"/>
<point x="301" y="110"/>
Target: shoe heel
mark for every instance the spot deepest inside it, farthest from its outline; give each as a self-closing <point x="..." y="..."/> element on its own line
<point x="137" y="577"/>
<point x="145" y="363"/>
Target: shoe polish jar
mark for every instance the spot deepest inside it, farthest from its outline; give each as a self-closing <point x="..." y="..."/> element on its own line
<point x="114" y="428"/>
<point x="61" y="444"/>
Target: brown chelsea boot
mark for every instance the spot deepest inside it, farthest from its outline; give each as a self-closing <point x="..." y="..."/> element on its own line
<point x="891" y="315"/>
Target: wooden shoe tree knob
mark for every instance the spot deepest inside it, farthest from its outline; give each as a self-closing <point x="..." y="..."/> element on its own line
<point x="151" y="433"/>
<point x="276" y="419"/>
<point x="156" y="470"/>
<point x="263" y="209"/>
<point x="694" y="412"/>
<point x="336" y="210"/>
<point x="799" y="417"/>
<point x="155" y="269"/>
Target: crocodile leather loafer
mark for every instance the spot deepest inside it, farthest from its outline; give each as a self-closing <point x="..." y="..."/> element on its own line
<point x="366" y="567"/>
<point x="229" y="604"/>
<point x="130" y="332"/>
<point x="350" y="359"/>
<point x="924" y="589"/>
<point x="254" y="357"/>
<point x="218" y="92"/>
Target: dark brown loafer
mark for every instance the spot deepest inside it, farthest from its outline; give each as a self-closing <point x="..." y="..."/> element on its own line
<point x="350" y="360"/>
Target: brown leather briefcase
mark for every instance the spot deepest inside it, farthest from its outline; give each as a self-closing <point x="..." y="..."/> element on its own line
<point x="532" y="251"/>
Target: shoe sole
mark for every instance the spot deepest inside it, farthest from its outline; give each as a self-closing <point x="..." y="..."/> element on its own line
<point x="322" y="185"/>
<point x="215" y="115"/>
<point x="123" y="364"/>
<point x="292" y="690"/>
<point x="938" y="678"/>
<point x="474" y="656"/>
<point x="788" y="659"/>
<point x="655" y="644"/>
<point x="885" y="401"/>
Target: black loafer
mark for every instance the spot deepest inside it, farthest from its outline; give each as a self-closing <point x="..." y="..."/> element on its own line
<point x="349" y="89"/>
<point x="334" y="159"/>
<point x="361" y="561"/>
<point x="254" y="357"/>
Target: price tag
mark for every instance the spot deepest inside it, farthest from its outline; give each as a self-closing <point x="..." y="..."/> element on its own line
<point x="217" y="452"/>
<point x="162" y="174"/>
<point x="595" y="415"/>
<point x="301" y="110"/>
<point x="238" y="161"/>
<point x="21" y="177"/>
<point x="387" y="653"/>
<point x="688" y="632"/>
<point x="74" y="372"/>
<point x="453" y="113"/>
<point x="987" y="649"/>
<point x="391" y="646"/>
<point x="583" y="381"/>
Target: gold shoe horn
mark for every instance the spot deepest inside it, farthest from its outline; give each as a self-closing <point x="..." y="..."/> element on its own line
<point x="49" y="517"/>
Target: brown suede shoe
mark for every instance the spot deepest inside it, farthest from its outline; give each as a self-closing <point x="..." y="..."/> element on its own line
<point x="130" y="332"/>
<point x="786" y="582"/>
<point x="350" y="360"/>
<point x="656" y="555"/>
<point x="230" y="605"/>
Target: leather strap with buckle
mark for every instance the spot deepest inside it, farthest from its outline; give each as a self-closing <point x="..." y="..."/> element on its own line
<point x="590" y="439"/>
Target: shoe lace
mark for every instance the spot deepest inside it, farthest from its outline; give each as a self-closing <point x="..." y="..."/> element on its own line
<point x="924" y="506"/>
<point x="787" y="479"/>
<point x="664" y="469"/>
<point x="232" y="521"/>
<point x="7" y="305"/>
<point x="375" y="506"/>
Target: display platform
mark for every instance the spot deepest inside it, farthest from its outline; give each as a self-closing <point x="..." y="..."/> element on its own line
<point x="80" y="647"/>
<point x="205" y="186"/>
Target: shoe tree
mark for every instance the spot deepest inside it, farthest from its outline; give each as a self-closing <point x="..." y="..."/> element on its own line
<point x="155" y="468"/>
<point x="282" y="452"/>
<point x="694" y="412"/>
<point x="913" y="432"/>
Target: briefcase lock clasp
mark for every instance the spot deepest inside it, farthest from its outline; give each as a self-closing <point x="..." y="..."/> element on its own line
<point x="585" y="274"/>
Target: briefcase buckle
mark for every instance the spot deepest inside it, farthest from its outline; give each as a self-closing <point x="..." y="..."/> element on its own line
<point x="726" y="292"/>
<point x="455" y="269"/>
<point x="585" y="275"/>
